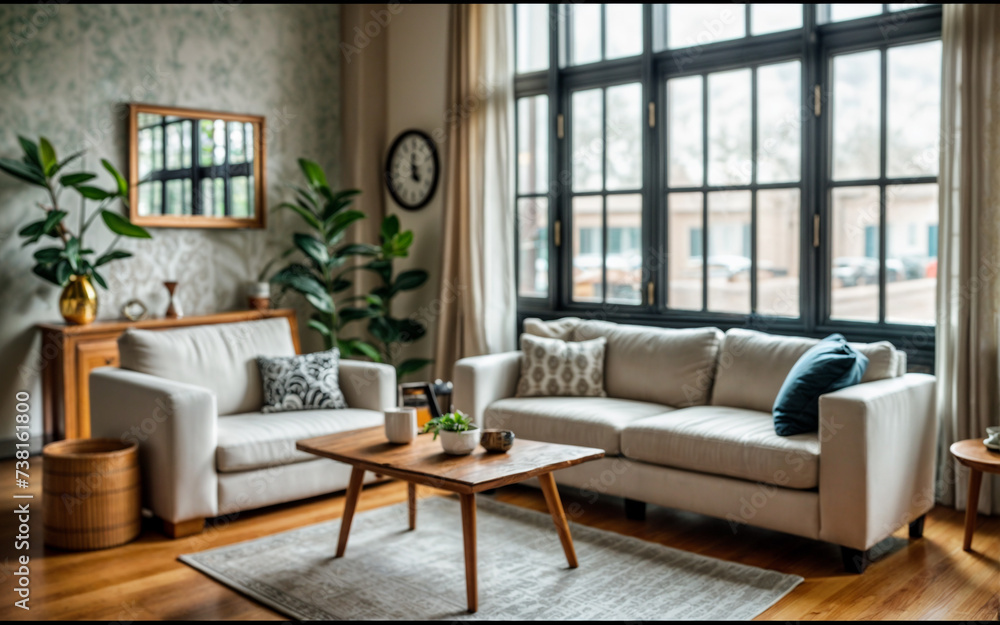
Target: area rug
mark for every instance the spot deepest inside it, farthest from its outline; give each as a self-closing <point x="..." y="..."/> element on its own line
<point x="389" y="572"/>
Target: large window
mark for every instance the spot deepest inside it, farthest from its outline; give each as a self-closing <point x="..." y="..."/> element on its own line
<point x="726" y="163"/>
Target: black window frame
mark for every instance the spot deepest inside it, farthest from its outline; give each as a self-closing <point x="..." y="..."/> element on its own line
<point x="815" y="45"/>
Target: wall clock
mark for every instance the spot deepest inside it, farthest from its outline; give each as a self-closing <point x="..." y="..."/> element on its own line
<point x="412" y="169"/>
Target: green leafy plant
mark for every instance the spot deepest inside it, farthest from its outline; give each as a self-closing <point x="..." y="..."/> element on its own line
<point x="39" y="166"/>
<point x="323" y="274"/>
<point x="390" y="332"/>
<point x="456" y="421"/>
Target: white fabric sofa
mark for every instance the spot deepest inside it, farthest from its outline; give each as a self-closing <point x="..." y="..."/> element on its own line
<point x="191" y="398"/>
<point x="687" y="424"/>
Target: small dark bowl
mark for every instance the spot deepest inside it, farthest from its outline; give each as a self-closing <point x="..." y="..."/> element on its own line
<point x="497" y="440"/>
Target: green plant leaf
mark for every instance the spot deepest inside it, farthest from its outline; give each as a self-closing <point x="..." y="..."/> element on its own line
<point x="63" y="272"/>
<point x="73" y="253"/>
<point x="119" y="179"/>
<point x="23" y="171"/>
<point x="47" y="155"/>
<point x="34" y="230"/>
<point x="30" y="151"/>
<point x="401" y="244"/>
<point x="302" y="212"/>
<point x="353" y="314"/>
<point x="98" y="279"/>
<point x="340" y="222"/>
<point x="110" y="256"/>
<point x="48" y="255"/>
<point x="52" y="221"/>
<point x="47" y="273"/>
<point x="338" y="202"/>
<point x="322" y="303"/>
<point x="312" y="248"/>
<point x="407" y="330"/>
<point x="319" y="327"/>
<point x="119" y="225"/>
<point x="301" y="279"/>
<point x="409" y="280"/>
<point x="367" y="349"/>
<point x="359" y="249"/>
<point x="380" y="328"/>
<point x="313" y="173"/>
<point x="339" y="285"/>
<point x="93" y="193"/>
<point x="390" y="226"/>
<point x="71" y="180"/>
<point x="375" y="300"/>
<point x="411" y="366"/>
<point x="66" y="161"/>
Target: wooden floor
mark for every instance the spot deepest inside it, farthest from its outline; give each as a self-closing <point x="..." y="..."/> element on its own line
<point x="930" y="578"/>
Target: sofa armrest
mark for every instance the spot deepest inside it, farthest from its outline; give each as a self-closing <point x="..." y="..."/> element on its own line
<point x="175" y="425"/>
<point x="481" y="380"/>
<point x="368" y="385"/>
<point x="877" y="452"/>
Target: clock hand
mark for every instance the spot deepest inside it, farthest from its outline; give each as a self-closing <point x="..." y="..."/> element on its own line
<point x="413" y="167"/>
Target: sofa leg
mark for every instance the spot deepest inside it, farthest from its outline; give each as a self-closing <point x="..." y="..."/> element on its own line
<point x="183" y="528"/>
<point x="855" y="560"/>
<point x="917" y="527"/>
<point x="635" y="510"/>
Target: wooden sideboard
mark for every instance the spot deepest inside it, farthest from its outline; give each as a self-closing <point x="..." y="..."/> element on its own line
<point x="70" y="352"/>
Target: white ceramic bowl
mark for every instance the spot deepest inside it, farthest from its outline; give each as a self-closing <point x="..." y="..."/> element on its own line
<point x="459" y="443"/>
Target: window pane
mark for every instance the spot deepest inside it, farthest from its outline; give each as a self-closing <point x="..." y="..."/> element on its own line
<point x="905" y="6"/>
<point x="623" y="30"/>
<point x="772" y="18"/>
<point x="186" y="129"/>
<point x="729" y="128"/>
<point x="186" y="197"/>
<point x="206" y="142"/>
<point x="174" y="146"/>
<point x="778" y="238"/>
<point x="684" y="132"/>
<point x="533" y="247"/>
<point x="625" y="248"/>
<point x="729" y="251"/>
<point x="145" y="198"/>
<point x="911" y="253"/>
<point x="158" y="148"/>
<point x="219" y="196"/>
<point x="588" y="249"/>
<point x="236" y="153"/>
<point x="855" y="252"/>
<point x="700" y="24"/>
<point x="914" y="107"/>
<point x="588" y="146"/>
<point x="219" y="134"/>
<point x="175" y="191"/>
<point x="624" y="137"/>
<point x="207" y="199"/>
<point x="685" y="251"/>
<point x="145" y="152"/>
<point x="856" y="122"/>
<point x="248" y="131"/>
<point x="250" y="190"/>
<point x="779" y="123"/>
<point x="157" y="195"/>
<point x="841" y="12"/>
<point x="585" y="39"/>
<point x="238" y="186"/>
<point x="532" y="144"/>
<point x="532" y="37"/>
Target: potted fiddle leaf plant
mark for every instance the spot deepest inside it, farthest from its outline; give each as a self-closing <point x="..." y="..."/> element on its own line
<point x="68" y="263"/>
<point x="459" y="435"/>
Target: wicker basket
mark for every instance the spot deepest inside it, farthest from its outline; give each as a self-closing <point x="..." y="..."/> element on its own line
<point x="91" y="493"/>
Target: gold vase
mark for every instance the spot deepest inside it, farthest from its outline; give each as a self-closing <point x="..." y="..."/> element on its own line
<point x="78" y="302"/>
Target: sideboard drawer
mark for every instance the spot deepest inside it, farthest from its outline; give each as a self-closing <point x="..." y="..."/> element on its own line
<point x="90" y="355"/>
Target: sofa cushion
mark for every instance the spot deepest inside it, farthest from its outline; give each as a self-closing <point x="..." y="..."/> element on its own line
<point x="753" y="365"/>
<point x="306" y="382"/>
<point x="221" y="358"/>
<point x="561" y="329"/>
<point x="256" y="440"/>
<point x="827" y="366"/>
<point x="725" y="441"/>
<point x="586" y="421"/>
<point x="673" y="367"/>
<point x="552" y="367"/>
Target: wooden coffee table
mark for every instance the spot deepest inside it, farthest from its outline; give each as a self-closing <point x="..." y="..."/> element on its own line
<point x="974" y="454"/>
<point x="423" y="462"/>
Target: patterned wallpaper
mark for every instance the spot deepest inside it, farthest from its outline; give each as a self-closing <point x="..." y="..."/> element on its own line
<point x="68" y="70"/>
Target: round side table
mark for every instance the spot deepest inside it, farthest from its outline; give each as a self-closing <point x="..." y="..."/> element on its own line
<point x="973" y="454"/>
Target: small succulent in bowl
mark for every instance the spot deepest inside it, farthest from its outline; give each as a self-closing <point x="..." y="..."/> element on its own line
<point x="459" y="435"/>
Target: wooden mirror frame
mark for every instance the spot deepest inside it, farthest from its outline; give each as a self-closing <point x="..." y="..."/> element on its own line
<point x="197" y="221"/>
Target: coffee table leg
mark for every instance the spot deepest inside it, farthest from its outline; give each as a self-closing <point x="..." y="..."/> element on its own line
<point x="411" y="500"/>
<point x="353" y="491"/>
<point x="971" y="506"/>
<point x="558" y="516"/>
<point x="469" y="532"/>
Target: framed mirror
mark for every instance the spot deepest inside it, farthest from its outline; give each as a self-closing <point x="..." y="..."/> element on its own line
<point x="195" y="169"/>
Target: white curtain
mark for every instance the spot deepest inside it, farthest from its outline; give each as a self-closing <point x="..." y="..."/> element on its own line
<point x="477" y="284"/>
<point x="968" y="328"/>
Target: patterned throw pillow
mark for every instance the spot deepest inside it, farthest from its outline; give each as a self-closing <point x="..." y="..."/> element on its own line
<point x="303" y="382"/>
<point x="554" y="368"/>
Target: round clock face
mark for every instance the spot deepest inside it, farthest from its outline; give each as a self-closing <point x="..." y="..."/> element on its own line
<point x="411" y="170"/>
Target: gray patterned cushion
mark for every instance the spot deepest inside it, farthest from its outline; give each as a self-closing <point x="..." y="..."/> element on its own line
<point x="303" y="382"/>
<point x="554" y="368"/>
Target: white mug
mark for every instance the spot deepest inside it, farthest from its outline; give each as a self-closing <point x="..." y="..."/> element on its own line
<point x="401" y="424"/>
<point x="993" y="435"/>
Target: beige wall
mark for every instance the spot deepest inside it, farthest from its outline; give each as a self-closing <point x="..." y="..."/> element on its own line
<point x="416" y="91"/>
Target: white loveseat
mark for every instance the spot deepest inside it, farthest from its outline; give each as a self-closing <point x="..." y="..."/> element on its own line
<point x="192" y="398"/>
<point x="687" y="424"/>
